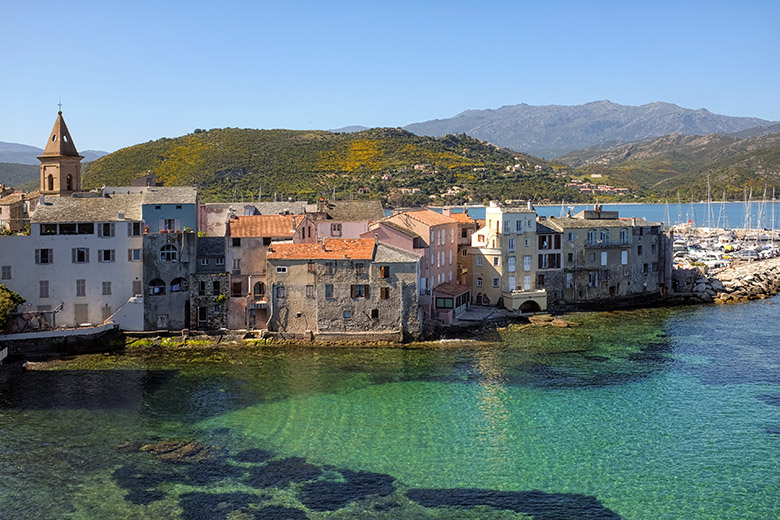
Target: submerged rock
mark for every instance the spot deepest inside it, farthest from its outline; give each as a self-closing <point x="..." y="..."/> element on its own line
<point x="180" y="452"/>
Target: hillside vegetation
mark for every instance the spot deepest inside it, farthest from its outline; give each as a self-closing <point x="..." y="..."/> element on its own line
<point x="659" y="168"/>
<point x="389" y="163"/>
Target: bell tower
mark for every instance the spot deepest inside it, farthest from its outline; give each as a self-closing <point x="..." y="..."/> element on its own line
<point x="60" y="162"/>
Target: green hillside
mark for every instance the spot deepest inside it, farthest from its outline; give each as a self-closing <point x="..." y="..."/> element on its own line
<point x="306" y="164"/>
<point x="659" y="168"/>
<point x="16" y="175"/>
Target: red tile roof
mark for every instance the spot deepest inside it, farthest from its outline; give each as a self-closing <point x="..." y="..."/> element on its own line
<point x="462" y="218"/>
<point x="428" y="217"/>
<point x="329" y="249"/>
<point x="274" y="226"/>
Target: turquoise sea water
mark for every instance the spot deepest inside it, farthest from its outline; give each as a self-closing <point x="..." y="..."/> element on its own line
<point x="665" y="413"/>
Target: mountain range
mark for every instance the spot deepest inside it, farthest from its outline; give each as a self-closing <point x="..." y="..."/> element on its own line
<point x="554" y="130"/>
<point x="25" y="154"/>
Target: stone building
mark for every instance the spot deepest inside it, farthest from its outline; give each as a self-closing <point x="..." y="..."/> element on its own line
<point x="606" y="258"/>
<point x="248" y="239"/>
<point x="466" y="228"/>
<point x="15" y="209"/>
<point x="209" y="285"/>
<point x="549" y="266"/>
<point x="213" y="216"/>
<point x="504" y="259"/>
<point x="343" y="289"/>
<point x="168" y="264"/>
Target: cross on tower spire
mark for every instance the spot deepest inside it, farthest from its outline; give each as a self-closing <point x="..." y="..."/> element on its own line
<point x="60" y="106"/>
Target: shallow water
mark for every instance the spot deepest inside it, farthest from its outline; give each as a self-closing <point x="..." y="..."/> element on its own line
<point x="643" y="414"/>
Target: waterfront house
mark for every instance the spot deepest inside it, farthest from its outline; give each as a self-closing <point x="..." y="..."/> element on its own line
<point x="165" y="209"/>
<point x="168" y="264"/>
<point x="608" y="258"/>
<point x="213" y="216"/>
<point x="248" y="239"/>
<point x="341" y="289"/>
<point x="504" y="259"/>
<point x="209" y="285"/>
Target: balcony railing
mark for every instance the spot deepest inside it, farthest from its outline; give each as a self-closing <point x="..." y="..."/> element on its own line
<point x="607" y="243"/>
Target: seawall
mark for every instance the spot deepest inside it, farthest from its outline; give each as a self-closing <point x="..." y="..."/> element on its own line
<point x="743" y="282"/>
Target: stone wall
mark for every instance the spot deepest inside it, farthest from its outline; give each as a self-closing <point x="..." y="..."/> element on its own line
<point x="746" y="282"/>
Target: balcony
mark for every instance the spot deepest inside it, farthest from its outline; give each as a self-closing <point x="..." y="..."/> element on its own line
<point x="606" y="244"/>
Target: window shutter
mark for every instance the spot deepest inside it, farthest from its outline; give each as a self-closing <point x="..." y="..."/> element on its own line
<point x="367" y="290"/>
<point x="352" y="291"/>
<point x="129" y="255"/>
<point x="177" y="224"/>
<point x="73" y="255"/>
<point x="51" y="256"/>
<point x="100" y="229"/>
<point x="37" y="256"/>
<point x="129" y="229"/>
<point x="112" y="253"/>
<point x="113" y="227"/>
<point x="160" y="224"/>
<point x="86" y="255"/>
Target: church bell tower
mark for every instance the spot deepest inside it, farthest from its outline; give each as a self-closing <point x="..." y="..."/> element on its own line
<point x="60" y="162"/>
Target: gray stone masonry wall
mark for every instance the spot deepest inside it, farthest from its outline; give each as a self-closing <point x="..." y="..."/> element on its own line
<point x="170" y="310"/>
<point x="216" y="309"/>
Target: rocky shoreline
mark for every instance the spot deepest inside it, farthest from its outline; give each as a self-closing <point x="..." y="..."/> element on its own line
<point x="745" y="282"/>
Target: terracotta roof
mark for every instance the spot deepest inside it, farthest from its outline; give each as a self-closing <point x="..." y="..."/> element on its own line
<point x="329" y="249"/>
<point x="274" y="226"/>
<point x="428" y="217"/>
<point x="462" y="218"/>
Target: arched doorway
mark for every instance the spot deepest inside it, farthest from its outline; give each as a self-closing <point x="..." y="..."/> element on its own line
<point x="530" y="306"/>
<point x="259" y="290"/>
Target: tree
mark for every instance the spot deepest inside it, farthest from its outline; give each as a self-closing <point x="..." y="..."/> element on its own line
<point x="8" y="302"/>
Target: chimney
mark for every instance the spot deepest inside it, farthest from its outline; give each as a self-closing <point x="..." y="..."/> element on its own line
<point x="42" y="200"/>
<point x="293" y="223"/>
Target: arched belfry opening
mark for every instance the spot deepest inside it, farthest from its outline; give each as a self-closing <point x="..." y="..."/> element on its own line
<point x="60" y="162"/>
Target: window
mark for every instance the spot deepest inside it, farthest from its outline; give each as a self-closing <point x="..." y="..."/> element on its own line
<point x="603" y="258"/>
<point x="604" y="236"/>
<point x="106" y="288"/>
<point x="280" y="293"/>
<point x="569" y="280"/>
<point x="479" y="261"/>
<point x="359" y="268"/>
<point x="519" y="226"/>
<point x="527" y="242"/>
<point x="310" y="291"/>
<point x="374" y="314"/>
<point x="570" y="236"/>
<point x="106" y="255"/>
<point x="237" y="289"/>
<point x="512" y="283"/>
<point x="450" y="256"/>
<point x="156" y="287"/>
<point x="511" y="264"/>
<point x="80" y="255"/>
<point x="464" y="252"/>
<point x="329" y="267"/>
<point x="464" y="233"/>
<point x="201" y="288"/>
<point x="281" y="269"/>
<point x="219" y="261"/>
<point x="592" y="257"/>
<point x="335" y="230"/>
<point x="539" y="281"/>
<point x="543" y="262"/>
<point x="623" y="236"/>
<point x="452" y="235"/>
<point x="48" y="229"/>
<point x="237" y="266"/>
<point x="328" y="290"/>
<point x="204" y="261"/>
<point x="384" y="293"/>
<point x="43" y="288"/>
<point x="133" y="255"/>
<point x="180" y="285"/>
<point x="170" y="224"/>
<point x="655" y="267"/>
<point x="259" y="290"/>
<point x="106" y="229"/>
<point x="496" y="260"/>
<point x="442" y="260"/>
<point x="134" y="229"/>
<point x="81" y="288"/>
<point x="44" y="256"/>
<point x="67" y="229"/>
<point x="347" y="315"/>
<point x="444" y="303"/>
<point x="479" y="282"/>
<point x="624" y="257"/>
<point x="527" y="263"/>
<point x="5" y="272"/>
<point x="511" y="245"/>
<point x="591" y="237"/>
<point x="570" y="257"/>
<point x="652" y="248"/>
<point x="495" y="282"/>
<point x="644" y="268"/>
<point x="169" y="253"/>
<point x="384" y="271"/>
<point x="311" y="267"/>
<point x="216" y="288"/>
<point x="593" y="278"/>
<point x="639" y="249"/>
<point x="360" y="291"/>
<point x="442" y="237"/>
<point x="236" y="242"/>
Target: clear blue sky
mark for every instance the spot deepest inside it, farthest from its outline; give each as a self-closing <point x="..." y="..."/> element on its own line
<point x="130" y="72"/>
